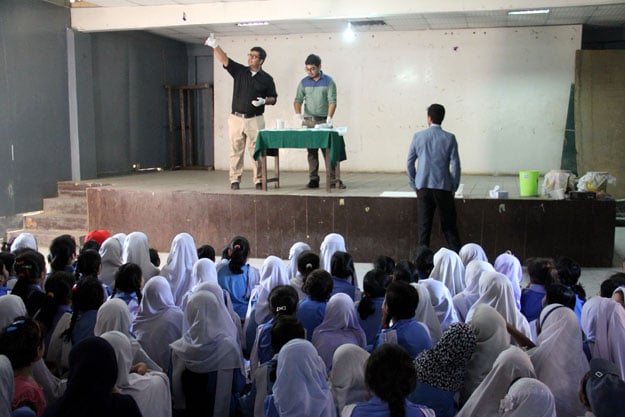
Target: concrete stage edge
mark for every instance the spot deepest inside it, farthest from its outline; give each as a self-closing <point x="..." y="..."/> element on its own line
<point x="371" y="224"/>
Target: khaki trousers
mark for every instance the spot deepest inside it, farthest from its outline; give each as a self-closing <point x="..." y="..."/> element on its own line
<point x="240" y="132"/>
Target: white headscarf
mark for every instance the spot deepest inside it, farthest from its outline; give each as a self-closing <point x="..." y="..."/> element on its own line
<point x="182" y="257"/>
<point x="204" y="270"/>
<point x="301" y="389"/>
<point x="426" y="314"/>
<point x="528" y="397"/>
<point x="347" y="378"/>
<point x="559" y="359"/>
<point x="511" y="364"/>
<point x="11" y="306"/>
<point x="114" y="315"/>
<point x="272" y="274"/>
<point x="150" y="391"/>
<point x="340" y="325"/>
<point x="6" y="386"/>
<point x="496" y="291"/>
<point x="223" y="298"/>
<point x="449" y="270"/>
<point x="24" y="241"/>
<point x="441" y="301"/>
<point x="465" y="300"/>
<point x="603" y="321"/>
<point x="492" y="339"/>
<point x="159" y="321"/>
<point x="294" y="253"/>
<point x="207" y="344"/>
<point x="331" y="243"/>
<point x="111" y="254"/>
<point x="510" y="266"/>
<point x="137" y="250"/>
<point x="472" y="252"/>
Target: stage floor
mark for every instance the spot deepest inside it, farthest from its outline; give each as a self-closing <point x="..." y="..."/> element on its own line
<point x="294" y="183"/>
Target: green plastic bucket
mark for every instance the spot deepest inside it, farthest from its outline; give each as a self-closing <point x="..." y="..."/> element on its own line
<point x="528" y="183"/>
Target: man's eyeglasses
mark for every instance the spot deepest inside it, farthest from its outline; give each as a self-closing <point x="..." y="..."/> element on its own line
<point x="311" y="69"/>
<point x="253" y="56"/>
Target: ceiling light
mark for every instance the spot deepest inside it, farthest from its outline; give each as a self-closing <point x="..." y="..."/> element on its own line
<point x="243" y="24"/>
<point x="536" y="11"/>
<point x="349" y="35"/>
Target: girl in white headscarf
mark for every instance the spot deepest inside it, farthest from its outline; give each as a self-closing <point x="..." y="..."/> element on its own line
<point x="496" y="291"/>
<point x="272" y="273"/>
<point x="182" y="257"/>
<point x="339" y="326"/>
<point x="603" y="321"/>
<point x="111" y="254"/>
<point x="511" y="364"/>
<point x="206" y="347"/>
<point x="114" y="315"/>
<point x="472" y="252"/>
<point x="294" y="252"/>
<point x="24" y="241"/>
<point x="425" y="313"/>
<point x="441" y="300"/>
<point x="559" y="359"/>
<point x="204" y="270"/>
<point x="465" y="300"/>
<point x="492" y="339"/>
<point x="510" y="266"/>
<point x="137" y="250"/>
<point x="331" y="243"/>
<point x="150" y="390"/>
<point x="528" y="397"/>
<point x="158" y="322"/>
<point x="300" y="389"/>
<point x="449" y="270"/>
<point x="347" y="378"/>
<point x="223" y="299"/>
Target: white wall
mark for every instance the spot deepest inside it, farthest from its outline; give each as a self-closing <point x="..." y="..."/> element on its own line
<point x="506" y="91"/>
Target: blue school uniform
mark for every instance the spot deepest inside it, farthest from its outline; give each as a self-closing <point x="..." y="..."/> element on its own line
<point x="532" y="301"/>
<point x="407" y="333"/>
<point x="311" y="314"/>
<point x="371" y="325"/>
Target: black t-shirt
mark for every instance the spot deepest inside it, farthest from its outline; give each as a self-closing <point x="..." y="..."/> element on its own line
<point x="248" y="88"/>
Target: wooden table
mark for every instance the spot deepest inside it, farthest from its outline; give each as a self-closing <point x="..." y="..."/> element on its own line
<point x="273" y="139"/>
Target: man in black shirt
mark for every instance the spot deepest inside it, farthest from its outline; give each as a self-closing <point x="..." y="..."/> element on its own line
<point x="253" y="89"/>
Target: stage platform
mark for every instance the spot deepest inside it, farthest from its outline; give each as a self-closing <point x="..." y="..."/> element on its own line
<point x="376" y="214"/>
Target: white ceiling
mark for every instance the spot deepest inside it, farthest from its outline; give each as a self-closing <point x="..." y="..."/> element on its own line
<point x="587" y="14"/>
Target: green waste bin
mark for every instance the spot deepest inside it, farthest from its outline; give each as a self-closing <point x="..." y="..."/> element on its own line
<point x="528" y="183"/>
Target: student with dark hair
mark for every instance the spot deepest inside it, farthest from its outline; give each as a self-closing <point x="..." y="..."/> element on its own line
<point x="569" y="272"/>
<point x="283" y="301"/>
<point x="30" y="271"/>
<point x="398" y="321"/>
<point x="22" y="342"/>
<point x="283" y="329"/>
<point x="238" y="277"/>
<point x="307" y="261"/>
<point x="405" y="271"/>
<point x="87" y="297"/>
<point x="385" y="263"/>
<point x="206" y="251"/>
<point x="344" y="275"/>
<point x="295" y="277"/>
<point x="62" y="253"/>
<point x="7" y="260"/>
<point x="391" y="376"/>
<point x="58" y="301"/>
<point x="612" y="283"/>
<point x="560" y="294"/>
<point x="424" y="262"/>
<point x="370" y="307"/>
<point x="542" y="273"/>
<point x="318" y="287"/>
<point x="88" y="263"/>
<point x="128" y="286"/>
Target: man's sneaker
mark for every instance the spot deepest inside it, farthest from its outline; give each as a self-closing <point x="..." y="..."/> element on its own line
<point x="259" y="186"/>
<point x="340" y="184"/>
<point x="234" y="186"/>
<point x="313" y="184"/>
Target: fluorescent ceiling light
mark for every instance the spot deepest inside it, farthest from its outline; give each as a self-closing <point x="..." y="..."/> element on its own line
<point x="348" y="34"/>
<point x="537" y="11"/>
<point x="242" y="24"/>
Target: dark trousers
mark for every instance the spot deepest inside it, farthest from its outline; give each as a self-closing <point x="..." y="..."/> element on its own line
<point x="428" y="200"/>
